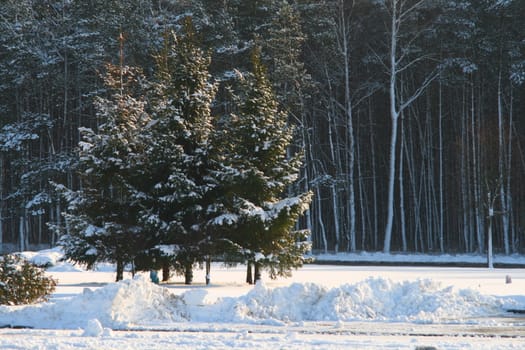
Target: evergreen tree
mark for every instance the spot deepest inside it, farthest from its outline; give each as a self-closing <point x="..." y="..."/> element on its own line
<point x="102" y="217"/>
<point x="178" y="152"/>
<point x="255" y="216"/>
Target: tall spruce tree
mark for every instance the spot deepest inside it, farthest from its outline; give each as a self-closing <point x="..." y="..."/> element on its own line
<point x="102" y="217"/>
<point x="255" y="213"/>
<point x="178" y="152"/>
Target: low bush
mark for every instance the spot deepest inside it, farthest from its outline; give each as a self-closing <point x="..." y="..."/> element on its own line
<point x="22" y="282"/>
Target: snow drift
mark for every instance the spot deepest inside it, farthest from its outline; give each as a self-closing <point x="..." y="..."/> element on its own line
<point x="140" y="303"/>
<point x="375" y="299"/>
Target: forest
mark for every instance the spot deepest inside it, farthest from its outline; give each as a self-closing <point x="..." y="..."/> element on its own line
<point x="409" y="114"/>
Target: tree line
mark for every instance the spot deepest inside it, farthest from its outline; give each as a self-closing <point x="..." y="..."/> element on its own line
<point x="408" y="113"/>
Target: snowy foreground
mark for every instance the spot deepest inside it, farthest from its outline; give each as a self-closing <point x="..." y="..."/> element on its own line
<point x="321" y="307"/>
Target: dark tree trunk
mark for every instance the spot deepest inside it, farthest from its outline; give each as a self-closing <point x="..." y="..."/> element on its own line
<point x="188" y="273"/>
<point x="208" y="268"/>
<point x="120" y="270"/>
<point x="249" y="276"/>
<point x="165" y="272"/>
<point x="257" y="273"/>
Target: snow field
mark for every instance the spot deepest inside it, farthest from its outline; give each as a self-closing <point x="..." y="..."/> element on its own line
<point x="137" y="302"/>
<point x="320" y="307"/>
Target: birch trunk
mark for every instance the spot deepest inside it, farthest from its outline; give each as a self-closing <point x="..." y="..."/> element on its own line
<point x="490" y="256"/>
<point x="399" y="11"/>
<point x="322" y="228"/>
<point x="501" y="166"/>
<point x="394" y="115"/>
<point x="401" y="194"/>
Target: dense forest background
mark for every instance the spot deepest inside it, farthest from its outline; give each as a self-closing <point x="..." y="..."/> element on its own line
<point x="410" y="113"/>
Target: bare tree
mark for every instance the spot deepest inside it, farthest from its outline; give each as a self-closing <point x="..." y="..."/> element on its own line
<point x="398" y="62"/>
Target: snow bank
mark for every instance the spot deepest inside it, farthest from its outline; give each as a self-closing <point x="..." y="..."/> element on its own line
<point x="49" y="257"/>
<point x="117" y="306"/>
<point x="140" y="303"/>
<point x="375" y="299"/>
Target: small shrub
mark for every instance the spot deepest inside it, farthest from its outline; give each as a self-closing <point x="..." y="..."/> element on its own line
<point x="22" y="282"/>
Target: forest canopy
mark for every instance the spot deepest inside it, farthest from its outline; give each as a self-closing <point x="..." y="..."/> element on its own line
<point x="408" y="114"/>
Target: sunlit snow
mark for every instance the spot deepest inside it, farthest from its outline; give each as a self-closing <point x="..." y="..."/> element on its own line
<point x="321" y="307"/>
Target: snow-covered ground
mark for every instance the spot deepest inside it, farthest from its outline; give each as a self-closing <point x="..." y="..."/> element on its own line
<point x="320" y="307"/>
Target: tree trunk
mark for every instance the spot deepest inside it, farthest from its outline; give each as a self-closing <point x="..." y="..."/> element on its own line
<point x="404" y="246"/>
<point x="399" y="11"/>
<point x="120" y="270"/>
<point x="509" y="167"/>
<point x="440" y="148"/>
<point x="22" y="234"/>
<point x="307" y="164"/>
<point x="188" y="273"/>
<point x="322" y="228"/>
<point x="249" y="275"/>
<point x="165" y="272"/>
<point x="375" y="228"/>
<point x="394" y="115"/>
<point x="490" y="257"/>
<point x="344" y="33"/>
<point x="391" y="180"/>
<point x="501" y="166"/>
<point x="464" y="182"/>
<point x="256" y="272"/>
<point x="54" y="237"/>
<point x="362" y="196"/>
<point x="335" y="185"/>
<point x="335" y="210"/>
<point x="208" y="269"/>
<point x="476" y="178"/>
<point x="416" y="202"/>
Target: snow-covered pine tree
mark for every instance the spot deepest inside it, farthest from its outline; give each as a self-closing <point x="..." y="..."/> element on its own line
<point x="178" y="152"/>
<point x="255" y="215"/>
<point x="102" y="216"/>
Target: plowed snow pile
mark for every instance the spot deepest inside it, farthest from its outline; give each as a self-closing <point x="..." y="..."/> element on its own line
<point x="116" y="305"/>
<point x="139" y="302"/>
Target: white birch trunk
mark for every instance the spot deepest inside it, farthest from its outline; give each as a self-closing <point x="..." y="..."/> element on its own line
<point x="321" y="222"/>
<point x="401" y="193"/>
<point x="362" y="196"/>
<point x="501" y="165"/>
<point x="334" y="188"/>
<point x="394" y="115"/>
<point x="490" y="256"/>
<point x="399" y="101"/>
